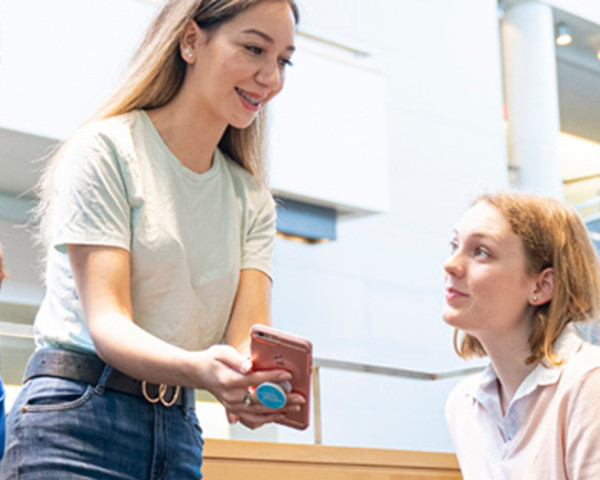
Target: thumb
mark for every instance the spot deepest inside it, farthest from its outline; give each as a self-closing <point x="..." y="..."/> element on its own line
<point x="234" y="360"/>
<point x="232" y="418"/>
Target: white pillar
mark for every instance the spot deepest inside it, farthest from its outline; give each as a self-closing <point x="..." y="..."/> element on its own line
<point x="531" y="92"/>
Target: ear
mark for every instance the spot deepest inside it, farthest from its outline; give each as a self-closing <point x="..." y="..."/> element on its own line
<point x="188" y="45"/>
<point x="543" y="287"/>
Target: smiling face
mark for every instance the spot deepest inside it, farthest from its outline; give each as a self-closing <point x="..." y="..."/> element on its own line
<point x="236" y="69"/>
<point x="488" y="289"/>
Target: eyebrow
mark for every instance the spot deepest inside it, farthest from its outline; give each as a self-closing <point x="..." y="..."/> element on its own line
<point x="266" y="37"/>
<point x="479" y="235"/>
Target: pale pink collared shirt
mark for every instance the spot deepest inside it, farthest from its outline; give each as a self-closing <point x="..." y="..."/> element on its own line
<point x="551" y="430"/>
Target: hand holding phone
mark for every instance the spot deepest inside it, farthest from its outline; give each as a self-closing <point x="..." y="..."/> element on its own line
<point x="273" y="349"/>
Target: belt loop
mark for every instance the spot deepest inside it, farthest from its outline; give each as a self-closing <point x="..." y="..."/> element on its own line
<point x="188" y="402"/>
<point x="189" y="399"/>
<point x="103" y="380"/>
<point x="30" y="363"/>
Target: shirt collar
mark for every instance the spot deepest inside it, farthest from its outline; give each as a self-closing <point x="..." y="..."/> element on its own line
<point x="485" y="390"/>
<point x="567" y="344"/>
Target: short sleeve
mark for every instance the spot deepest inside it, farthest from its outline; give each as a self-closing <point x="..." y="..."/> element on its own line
<point x="583" y="429"/>
<point x="257" y="250"/>
<point x="90" y="204"/>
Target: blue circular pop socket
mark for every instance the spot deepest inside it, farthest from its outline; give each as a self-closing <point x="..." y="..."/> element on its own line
<point x="272" y="395"/>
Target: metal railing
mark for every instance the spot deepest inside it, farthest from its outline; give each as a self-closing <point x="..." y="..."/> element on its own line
<point x="319" y="363"/>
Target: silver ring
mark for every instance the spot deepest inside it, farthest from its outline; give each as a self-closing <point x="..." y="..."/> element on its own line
<point x="248" y="400"/>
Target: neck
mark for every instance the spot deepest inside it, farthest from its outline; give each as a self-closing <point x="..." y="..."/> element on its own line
<point x="508" y="354"/>
<point x="190" y="134"/>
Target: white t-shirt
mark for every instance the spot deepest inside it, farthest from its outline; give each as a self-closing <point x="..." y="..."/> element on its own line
<point x="188" y="234"/>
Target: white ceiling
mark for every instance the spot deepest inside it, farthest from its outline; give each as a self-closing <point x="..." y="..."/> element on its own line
<point x="578" y="72"/>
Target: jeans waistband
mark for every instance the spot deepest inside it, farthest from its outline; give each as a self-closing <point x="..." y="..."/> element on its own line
<point x="89" y="368"/>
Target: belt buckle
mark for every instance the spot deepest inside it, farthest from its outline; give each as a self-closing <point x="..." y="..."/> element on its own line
<point x="162" y="390"/>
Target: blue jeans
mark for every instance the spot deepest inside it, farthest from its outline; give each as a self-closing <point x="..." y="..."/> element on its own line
<point x="67" y="430"/>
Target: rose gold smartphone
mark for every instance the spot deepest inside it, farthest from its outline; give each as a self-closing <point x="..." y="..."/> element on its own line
<point x="273" y="349"/>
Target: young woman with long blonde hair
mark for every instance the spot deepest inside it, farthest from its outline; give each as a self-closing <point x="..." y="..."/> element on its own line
<point x="159" y="232"/>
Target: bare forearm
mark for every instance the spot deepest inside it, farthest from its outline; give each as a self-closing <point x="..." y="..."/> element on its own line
<point x="102" y="276"/>
<point x="132" y="350"/>
<point x="252" y="305"/>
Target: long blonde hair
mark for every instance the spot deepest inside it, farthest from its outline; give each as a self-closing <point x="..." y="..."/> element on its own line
<point x="155" y="75"/>
<point x="553" y="235"/>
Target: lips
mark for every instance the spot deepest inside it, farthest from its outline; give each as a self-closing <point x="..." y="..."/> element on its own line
<point x="454" y="294"/>
<point x="253" y="101"/>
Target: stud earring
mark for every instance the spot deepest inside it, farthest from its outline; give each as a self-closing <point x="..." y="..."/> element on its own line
<point x="534" y="298"/>
<point x="187" y="52"/>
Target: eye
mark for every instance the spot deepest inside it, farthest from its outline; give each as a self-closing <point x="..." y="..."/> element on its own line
<point x="285" y="62"/>
<point x="254" y="49"/>
<point x="453" y="245"/>
<point x="482" y="252"/>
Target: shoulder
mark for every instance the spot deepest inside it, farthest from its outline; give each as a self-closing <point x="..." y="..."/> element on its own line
<point x="99" y="149"/>
<point x="582" y="367"/>
<point x="101" y="140"/>
<point x="578" y="394"/>
<point x="578" y="386"/>
<point x="107" y="133"/>
<point x="458" y="410"/>
<point x="463" y="394"/>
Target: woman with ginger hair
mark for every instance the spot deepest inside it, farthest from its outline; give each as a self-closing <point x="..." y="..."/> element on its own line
<point x="521" y="274"/>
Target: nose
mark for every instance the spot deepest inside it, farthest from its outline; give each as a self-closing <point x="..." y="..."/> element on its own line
<point x="270" y="76"/>
<point x="453" y="265"/>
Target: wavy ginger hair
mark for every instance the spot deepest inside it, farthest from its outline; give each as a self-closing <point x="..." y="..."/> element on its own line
<point x="553" y="235"/>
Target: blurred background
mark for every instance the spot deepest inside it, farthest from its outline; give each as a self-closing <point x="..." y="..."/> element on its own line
<point x="396" y="114"/>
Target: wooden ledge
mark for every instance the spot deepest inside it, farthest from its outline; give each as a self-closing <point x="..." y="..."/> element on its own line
<point x="231" y="459"/>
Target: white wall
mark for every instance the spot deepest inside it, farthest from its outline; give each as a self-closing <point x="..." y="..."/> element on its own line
<point x="333" y="103"/>
<point x="59" y="58"/>
<point x="375" y="294"/>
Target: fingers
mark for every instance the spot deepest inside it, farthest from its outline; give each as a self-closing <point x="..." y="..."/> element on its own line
<point x="230" y="357"/>
<point x="229" y="378"/>
<point x="275" y="376"/>
<point x="254" y="415"/>
<point x="294" y="403"/>
<point x="295" y="399"/>
<point x="252" y="379"/>
<point x="254" y="420"/>
<point x="232" y="417"/>
<point x="257" y="415"/>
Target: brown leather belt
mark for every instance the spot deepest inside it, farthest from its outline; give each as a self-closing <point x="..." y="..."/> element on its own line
<point x="85" y="367"/>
